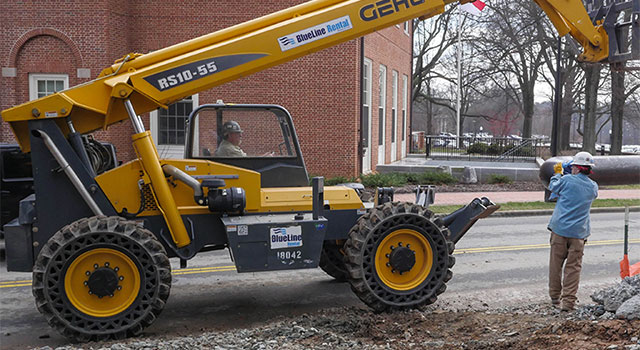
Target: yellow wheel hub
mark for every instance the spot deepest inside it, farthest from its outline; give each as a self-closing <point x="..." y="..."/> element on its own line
<point x="408" y="240"/>
<point x="117" y="265"/>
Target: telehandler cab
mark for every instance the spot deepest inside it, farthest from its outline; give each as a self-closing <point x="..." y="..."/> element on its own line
<point x="99" y="243"/>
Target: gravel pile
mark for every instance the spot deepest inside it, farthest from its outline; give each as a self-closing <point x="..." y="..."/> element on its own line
<point x="304" y="332"/>
<point x="620" y="301"/>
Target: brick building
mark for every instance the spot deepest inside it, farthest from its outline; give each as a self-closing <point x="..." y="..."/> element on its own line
<point x="337" y="96"/>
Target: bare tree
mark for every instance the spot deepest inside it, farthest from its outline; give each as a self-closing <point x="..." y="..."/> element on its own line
<point x="512" y="52"/>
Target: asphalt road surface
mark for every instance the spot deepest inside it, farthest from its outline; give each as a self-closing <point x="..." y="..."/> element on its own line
<point x="500" y="262"/>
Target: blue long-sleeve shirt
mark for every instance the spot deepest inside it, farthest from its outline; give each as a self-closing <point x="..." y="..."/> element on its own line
<point x="571" y="216"/>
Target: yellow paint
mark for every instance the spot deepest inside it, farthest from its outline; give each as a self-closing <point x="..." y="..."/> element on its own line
<point x="418" y="273"/>
<point x="300" y="198"/>
<point x="148" y="154"/>
<point x="91" y="305"/>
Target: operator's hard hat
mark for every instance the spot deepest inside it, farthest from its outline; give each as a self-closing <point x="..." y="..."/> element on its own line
<point x="230" y="126"/>
<point x="584" y="159"/>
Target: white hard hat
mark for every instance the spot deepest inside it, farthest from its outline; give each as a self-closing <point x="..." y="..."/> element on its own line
<point x="584" y="159"/>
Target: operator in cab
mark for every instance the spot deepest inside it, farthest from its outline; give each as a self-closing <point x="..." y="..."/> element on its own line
<point x="231" y="139"/>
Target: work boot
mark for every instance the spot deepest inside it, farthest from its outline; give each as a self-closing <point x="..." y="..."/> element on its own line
<point x="555" y="302"/>
<point x="567" y="306"/>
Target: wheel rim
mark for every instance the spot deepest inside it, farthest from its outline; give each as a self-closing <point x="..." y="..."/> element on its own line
<point x="417" y="273"/>
<point x="112" y="262"/>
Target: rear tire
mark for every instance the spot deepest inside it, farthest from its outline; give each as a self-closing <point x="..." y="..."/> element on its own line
<point x="398" y="258"/>
<point x="332" y="260"/>
<point x="101" y="278"/>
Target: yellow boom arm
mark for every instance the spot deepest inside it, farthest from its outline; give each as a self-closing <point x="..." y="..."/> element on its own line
<point x="162" y="77"/>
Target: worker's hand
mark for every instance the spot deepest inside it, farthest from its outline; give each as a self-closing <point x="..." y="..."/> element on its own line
<point x="557" y="168"/>
<point x="567" y="167"/>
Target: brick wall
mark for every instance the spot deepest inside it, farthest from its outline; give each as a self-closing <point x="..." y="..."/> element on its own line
<point x="321" y="91"/>
<point x="392" y="48"/>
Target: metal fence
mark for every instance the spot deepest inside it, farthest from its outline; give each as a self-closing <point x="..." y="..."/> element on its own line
<point x="500" y="149"/>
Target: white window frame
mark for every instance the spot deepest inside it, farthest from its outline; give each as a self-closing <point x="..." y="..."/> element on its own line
<point x="382" y="105"/>
<point x="406" y="27"/>
<point x="394" y="115"/>
<point x="403" y="133"/>
<point x="35" y="77"/>
<point x="172" y="151"/>
<point x="367" y="87"/>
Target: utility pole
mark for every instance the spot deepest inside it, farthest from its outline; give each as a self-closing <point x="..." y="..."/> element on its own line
<point x="557" y="103"/>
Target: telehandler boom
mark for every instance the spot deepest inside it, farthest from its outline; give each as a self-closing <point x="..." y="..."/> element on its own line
<point x="101" y="266"/>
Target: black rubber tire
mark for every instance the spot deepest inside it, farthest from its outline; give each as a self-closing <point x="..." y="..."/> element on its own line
<point x="364" y="239"/>
<point x="332" y="260"/>
<point x="116" y="234"/>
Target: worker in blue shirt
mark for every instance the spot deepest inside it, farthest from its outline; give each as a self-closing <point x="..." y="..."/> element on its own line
<point x="570" y="227"/>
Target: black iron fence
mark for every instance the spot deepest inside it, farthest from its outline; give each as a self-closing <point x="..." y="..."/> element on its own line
<point x="482" y="148"/>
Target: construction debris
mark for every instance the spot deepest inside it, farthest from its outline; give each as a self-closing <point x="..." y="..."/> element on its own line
<point x="619" y="301"/>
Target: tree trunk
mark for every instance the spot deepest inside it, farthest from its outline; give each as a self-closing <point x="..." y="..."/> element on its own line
<point x="592" y="74"/>
<point x="527" y="106"/>
<point x="566" y="110"/>
<point x="617" y="109"/>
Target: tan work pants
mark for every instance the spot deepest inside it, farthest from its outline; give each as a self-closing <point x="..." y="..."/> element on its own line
<point x="571" y="250"/>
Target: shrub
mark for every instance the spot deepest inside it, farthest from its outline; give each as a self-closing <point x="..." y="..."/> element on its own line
<point x="494" y="149"/>
<point x="499" y="179"/>
<point x="383" y="180"/>
<point x="430" y="178"/>
<point x="333" y="181"/>
<point x="478" y="147"/>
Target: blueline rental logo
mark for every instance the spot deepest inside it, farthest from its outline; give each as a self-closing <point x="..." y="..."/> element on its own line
<point x="286" y="237"/>
<point x="312" y="34"/>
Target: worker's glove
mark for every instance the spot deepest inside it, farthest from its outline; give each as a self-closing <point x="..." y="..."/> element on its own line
<point x="557" y="168"/>
<point x="566" y="166"/>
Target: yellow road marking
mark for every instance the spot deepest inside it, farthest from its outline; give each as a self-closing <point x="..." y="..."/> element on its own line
<point x="534" y="246"/>
<point x="209" y="269"/>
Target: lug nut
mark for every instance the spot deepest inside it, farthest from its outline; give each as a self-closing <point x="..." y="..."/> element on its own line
<point x="408" y="245"/>
<point x="399" y="244"/>
<point x="90" y="292"/>
<point x="106" y="264"/>
<point x="388" y="264"/>
<point x="87" y="273"/>
<point x="95" y="266"/>
<point x="121" y="278"/>
<point x="111" y="295"/>
<point x="387" y="255"/>
<point x="116" y="269"/>
<point x="119" y="287"/>
<point x="86" y="283"/>
<point x="392" y="247"/>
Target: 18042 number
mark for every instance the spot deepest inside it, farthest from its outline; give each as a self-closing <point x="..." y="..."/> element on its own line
<point x="289" y="255"/>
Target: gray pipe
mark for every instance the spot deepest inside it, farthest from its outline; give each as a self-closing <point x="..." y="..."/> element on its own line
<point x="185" y="178"/>
<point x="608" y="170"/>
<point x="73" y="177"/>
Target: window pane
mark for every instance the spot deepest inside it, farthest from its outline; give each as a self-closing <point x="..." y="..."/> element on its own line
<point x="404" y="120"/>
<point x="59" y="85"/>
<point x="41" y="86"/>
<point x="380" y="125"/>
<point x="50" y="86"/>
<point x="393" y="125"/>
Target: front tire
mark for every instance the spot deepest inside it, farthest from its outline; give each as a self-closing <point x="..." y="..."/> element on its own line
<point x="101" y="278"/>
<point x="398" y="258"/>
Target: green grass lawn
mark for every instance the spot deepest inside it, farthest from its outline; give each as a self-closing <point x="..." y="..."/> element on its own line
<point x="509" y="206"/>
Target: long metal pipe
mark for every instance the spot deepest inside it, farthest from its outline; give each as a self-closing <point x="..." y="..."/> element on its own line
<point x="608" y="170"/>
<point x="73" y="177"/>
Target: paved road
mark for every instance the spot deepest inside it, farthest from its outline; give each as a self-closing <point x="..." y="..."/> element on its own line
<point x="501" y="261"/>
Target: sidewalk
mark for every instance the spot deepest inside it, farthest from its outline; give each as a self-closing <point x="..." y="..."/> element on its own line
<point x="463" y="198"/>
